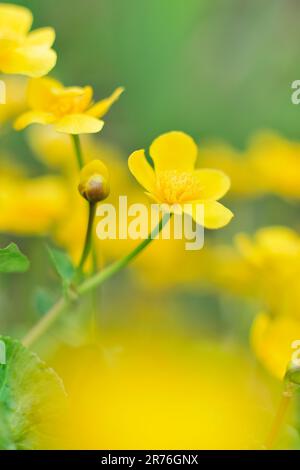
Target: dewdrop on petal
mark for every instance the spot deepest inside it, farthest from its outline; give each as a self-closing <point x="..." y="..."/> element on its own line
<point x="94" y="182"/>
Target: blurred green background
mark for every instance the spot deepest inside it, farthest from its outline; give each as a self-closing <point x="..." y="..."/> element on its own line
<point x="219" y="68"/>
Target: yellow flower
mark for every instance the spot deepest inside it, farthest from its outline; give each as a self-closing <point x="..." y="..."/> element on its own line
<point x="180" y="400"/>
<point x="276" y="161"/>
<point x="15" y="98"/>
<point x="94" y="182"/>
<point x="21" y="51"/>
<point x="70" y="109"/>
<point x="272" y="341"/>
<point x="174" y="180"/>
<point x="56" y="150"/>
<point x="270" y="164"/>
<point x="245" y="179"/>
<point x="31" y="206"/>
<point x="227" y="271"/>
<point x="271" y="246"/>
<point x="274" y="257"/>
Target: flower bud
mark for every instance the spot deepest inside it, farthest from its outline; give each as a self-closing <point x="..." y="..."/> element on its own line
<point x="94" y="182"/>
<point x="293" y="373"/>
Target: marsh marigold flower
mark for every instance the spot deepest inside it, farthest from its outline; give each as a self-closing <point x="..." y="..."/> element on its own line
<point x="31" y="206"/>
<point x="15" y="100"/>
<point x="187" y="380"/>
<point x="70" y="109"/>
<point x="273" y="255"/>
<point x="246" y="181"/>
<point x="273" y="341"/>
<point x="276" y="162"/>
<point x="174" y="179"/>
<point x="21" y="51"/>
<point x="274" y="246"/>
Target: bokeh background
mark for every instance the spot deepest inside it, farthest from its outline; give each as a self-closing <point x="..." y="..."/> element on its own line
<point x="213" y="69"/>
<point x="222" y="72"/>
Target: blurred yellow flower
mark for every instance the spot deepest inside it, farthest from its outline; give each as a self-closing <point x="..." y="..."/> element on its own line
<point x="245" y="179"/>
<point x="192" y="271"/>
<point x="274" y="257"/>
<point x="272" y="340"/>
<point x="69" y="109"/>
<point x="174" y="179"/>
<point x="213" y="268"/>
<point x="271" y="246"/>
<point x="121" y="399"/>
<point x="276" y="161"/>
<point x="30" y="206"/>
<point x="270" y="164"/>
<point x="56" y="150"/>
<point x="227" y="271"/>
<point x="21" y="51"/>
<point x="15" y="98"/>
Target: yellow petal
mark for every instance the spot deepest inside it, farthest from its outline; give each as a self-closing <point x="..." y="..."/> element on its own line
<point x="278" y="240"/>
<point x="74" y="92"/>
<point x="271" y="340"/>
<point x="15" y="18"/>
<point x="33" y="61"/>
<point x="78" y="98"/>
<point x="33" y="117"/>
<point x="41" y="37"/>
<point x="92" y="168"/>
<point x="102" y="107"/>
<point x="51" y="94"/>
<point x="174" y="151"/>
<point x="40" y="92"/>
<point x="78" y="124"/>
<point x="214" y="183"/>
<point x="142" y="170"/>
<point x="248" y="249"/>
<point x="215" y="214"/>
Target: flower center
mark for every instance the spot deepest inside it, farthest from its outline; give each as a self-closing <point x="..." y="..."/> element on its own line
<point x="177" y="187"/>
<point x="68" y="103"/>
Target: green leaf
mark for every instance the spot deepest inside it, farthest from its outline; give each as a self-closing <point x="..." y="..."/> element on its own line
<point x="32" y="400"/>
<point x="43" y="300"/>
<point x="62" y="263"/>
<point x="12" y="260"/>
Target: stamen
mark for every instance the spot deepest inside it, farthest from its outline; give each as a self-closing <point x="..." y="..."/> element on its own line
<point x="175" y="186"/>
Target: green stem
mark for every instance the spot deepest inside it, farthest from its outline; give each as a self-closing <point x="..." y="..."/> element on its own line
<point x="88" y="239"/>
<point x="111" y="270"/>
<point x="36" y="332"/>
<point x="54" y="313"/>
<point x="78" y="150"/>
<point x="280" y="416"/>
